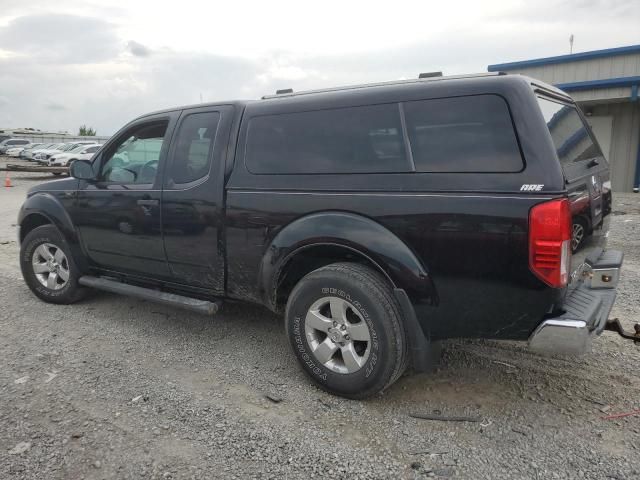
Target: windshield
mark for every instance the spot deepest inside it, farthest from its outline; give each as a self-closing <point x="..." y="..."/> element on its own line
<point x="78" y="149"/>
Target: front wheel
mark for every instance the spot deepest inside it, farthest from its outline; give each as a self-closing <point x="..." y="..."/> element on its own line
<point x="48" y="267"/>
<point x="346" y="330"/>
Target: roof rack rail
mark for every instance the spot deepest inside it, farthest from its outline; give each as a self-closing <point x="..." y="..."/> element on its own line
<point x="284" y="90"/>
<point x="430" y="75"/>
<point x="380" y="84"/>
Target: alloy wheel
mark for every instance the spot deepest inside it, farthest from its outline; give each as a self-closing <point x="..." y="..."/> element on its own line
<point x="338" y="336"/>
<point x="577" y="236"/>
<point x="50" y="266"/>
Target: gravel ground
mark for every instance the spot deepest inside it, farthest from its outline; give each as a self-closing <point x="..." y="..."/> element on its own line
<point x="119" y="388"/>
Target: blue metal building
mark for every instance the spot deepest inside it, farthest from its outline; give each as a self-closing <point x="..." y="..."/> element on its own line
<point x="605" y="83"/>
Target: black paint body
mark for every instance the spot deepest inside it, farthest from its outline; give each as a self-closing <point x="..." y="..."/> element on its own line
<point x="457" y="243"/>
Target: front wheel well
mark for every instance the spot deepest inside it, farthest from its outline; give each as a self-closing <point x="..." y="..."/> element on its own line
<point x="311" y="258"/>
<point x="30" y="222"/>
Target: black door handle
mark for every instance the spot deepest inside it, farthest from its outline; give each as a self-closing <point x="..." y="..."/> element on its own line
<point x="148" y="203"/>
<point x="592" y="163"/>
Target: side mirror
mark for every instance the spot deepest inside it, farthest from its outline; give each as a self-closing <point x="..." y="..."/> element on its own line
<point x="82" y="170"/>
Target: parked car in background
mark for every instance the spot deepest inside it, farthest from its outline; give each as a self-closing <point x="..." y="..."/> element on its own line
<point x="14" y="151"/>
<point x="29" y="154"/>
<point x="26" y="151"/>
<point x="81" y="152"/>
<point x="12" y="142"/>
<point x="42" y="154"/>
<point x="72" y="145"/>
<point x="17" y="151"/>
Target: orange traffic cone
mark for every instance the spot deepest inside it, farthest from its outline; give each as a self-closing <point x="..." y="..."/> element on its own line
<point x="7" y="181"/>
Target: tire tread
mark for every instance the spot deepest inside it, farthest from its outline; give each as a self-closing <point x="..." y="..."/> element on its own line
<point x="380" y="290"/>
<point x="75" y="292"/>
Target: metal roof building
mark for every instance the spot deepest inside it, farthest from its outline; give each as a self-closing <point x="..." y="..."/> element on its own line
<point x="38" y="136"/>
<point x="606" y="84"/>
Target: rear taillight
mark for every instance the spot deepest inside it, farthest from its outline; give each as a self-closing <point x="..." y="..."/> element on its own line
<point x="550" y="242"/>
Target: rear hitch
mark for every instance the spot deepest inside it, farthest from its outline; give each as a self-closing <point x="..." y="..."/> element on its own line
<point x="614" y="325"/>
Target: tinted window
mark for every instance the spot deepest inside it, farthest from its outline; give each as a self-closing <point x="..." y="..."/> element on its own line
<point x="134" y="159"/>
<point x="342" y="140"/>
<point x="569" y="134"/>
<point x="91" y="150"/>
<point x="463" y="134"/>
<point x="193" y="147"/>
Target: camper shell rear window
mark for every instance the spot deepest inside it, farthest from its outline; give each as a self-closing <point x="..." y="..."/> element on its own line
<point x="571" y="137"/>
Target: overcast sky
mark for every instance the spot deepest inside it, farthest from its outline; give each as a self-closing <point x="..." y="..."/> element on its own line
<point x="103" y="62"/>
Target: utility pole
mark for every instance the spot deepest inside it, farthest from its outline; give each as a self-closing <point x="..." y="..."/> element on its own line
<point x="571" y="44"/>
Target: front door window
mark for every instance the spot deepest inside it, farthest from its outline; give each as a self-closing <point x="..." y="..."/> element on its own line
<point x="134" y="161"/>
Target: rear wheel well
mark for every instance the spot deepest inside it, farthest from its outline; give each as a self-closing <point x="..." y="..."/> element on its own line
<point x="311" y="258"/>
<point x="30" y="222"/>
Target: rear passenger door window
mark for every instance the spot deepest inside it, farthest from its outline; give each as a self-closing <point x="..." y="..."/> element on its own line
<point x="193" y="147"/>
<point x="462" y="134"/>
<point x="361" y="139"/>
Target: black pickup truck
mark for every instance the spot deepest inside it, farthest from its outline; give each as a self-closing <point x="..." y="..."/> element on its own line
<point x="379" y="219"/>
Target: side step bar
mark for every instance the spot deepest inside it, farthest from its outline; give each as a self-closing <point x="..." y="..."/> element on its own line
<point x="200" y="306"/>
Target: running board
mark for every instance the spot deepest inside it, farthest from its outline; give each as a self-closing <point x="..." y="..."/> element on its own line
<point x="200" y="306"/>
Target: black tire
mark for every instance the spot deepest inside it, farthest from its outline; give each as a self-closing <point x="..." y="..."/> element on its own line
<point x="578" y="225"/>
<point x="71" y="291"/>
<point x="371" y="295"/>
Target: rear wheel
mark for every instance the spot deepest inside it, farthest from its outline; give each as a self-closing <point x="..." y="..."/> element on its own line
<point x="345" y="328"/>
<point x="48" y="267"/>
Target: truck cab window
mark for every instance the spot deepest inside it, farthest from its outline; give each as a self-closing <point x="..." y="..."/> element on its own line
<point x="134" y="160"/>
<point x="191" y="159"/>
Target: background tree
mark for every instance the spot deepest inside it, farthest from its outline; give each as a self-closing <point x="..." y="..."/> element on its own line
<point x="86" y="131"/>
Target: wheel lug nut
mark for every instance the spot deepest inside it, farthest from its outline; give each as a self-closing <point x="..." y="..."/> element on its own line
<point x="343" y="327"/>
<point x="346" y="337"/>
<point x="335" y="324"/>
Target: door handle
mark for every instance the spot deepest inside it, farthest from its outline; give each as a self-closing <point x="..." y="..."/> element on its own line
<point x="148" y="203"/>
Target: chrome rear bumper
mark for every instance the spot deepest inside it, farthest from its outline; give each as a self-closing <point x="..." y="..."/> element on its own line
<point x="586" y="310"/>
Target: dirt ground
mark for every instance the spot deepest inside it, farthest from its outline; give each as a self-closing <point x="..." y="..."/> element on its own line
<point x="119" y="388"/>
